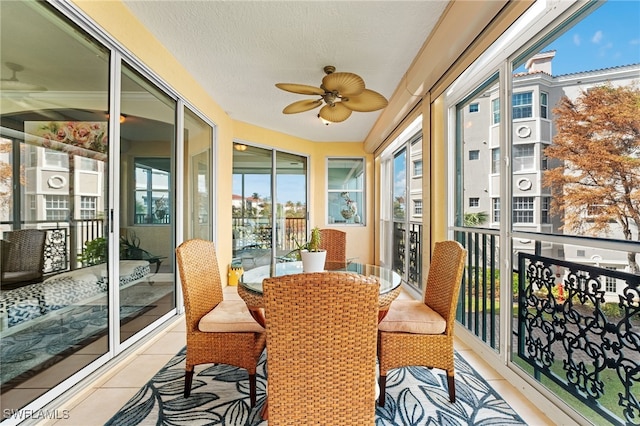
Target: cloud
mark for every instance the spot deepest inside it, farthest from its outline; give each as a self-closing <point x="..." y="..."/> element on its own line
<point x="634" y="41"/>
<point x="576" y="40"/>
<point x="597" y="37"/>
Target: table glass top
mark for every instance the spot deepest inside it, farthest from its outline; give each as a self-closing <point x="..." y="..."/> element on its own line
<point x="252" y="279"/>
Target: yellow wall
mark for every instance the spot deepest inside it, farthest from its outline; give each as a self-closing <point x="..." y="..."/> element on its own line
<point x="117" y="21"/>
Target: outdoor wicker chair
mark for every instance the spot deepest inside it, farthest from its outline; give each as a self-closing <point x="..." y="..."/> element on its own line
<point x="321" y="348"/>
<point x="420" y="333"/>
<point x="218" y="331"/>
<point x="22" y="257"/>
<point x="334" y="242"/>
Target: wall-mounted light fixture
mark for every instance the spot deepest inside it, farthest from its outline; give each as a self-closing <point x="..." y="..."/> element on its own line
<point x="239" y="147"/>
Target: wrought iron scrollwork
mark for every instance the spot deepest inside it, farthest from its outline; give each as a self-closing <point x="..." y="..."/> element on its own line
<point x="569" y="333"/>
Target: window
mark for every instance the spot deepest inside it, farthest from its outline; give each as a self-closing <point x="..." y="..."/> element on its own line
<point x="474" y="202"/>
<point x="523" y="157"/>
<point x="54" y="158"/>
<point x="523" y="209"/>
<point x="152" y="179"/>
<point x="495" y="160"/>
<point x="543" y="105"/>
<point x="346" y="190"/>
<point x="473" y="107"/>
<point x="88" y="207"/>
<point x="417" y="207"/>
<point x="474" y="154"/>
<point x="495" y="111"/>
<point x="57" y="207"/>
<point x="495" y="210"/>
<point x="87" y="164"/>
<point x="610" y="283"/>
<point x="522" y="105"/>
<point x="545" y="202"/>
<point x="417" y="168"/>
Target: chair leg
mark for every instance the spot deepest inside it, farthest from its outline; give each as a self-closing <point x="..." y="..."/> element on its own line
<point x="252" y="389"/>
<point x="452" y="387"/>
<point x="188" y="377"/>
<point x="383" y="385"/>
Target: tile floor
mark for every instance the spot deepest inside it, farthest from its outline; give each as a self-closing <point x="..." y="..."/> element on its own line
<point x="106" y="396"/>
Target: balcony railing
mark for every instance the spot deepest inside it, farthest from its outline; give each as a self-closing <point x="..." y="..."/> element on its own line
<point x="579" y="344"/>
<point x="569" y="334"/>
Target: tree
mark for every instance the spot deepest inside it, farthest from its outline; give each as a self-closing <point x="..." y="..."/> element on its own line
<point x="475" y="219"/>
<point x="598" y="143"/>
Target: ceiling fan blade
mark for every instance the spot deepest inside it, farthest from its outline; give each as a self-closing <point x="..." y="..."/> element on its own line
<point x="367" y="101"/>
<point x="335" y="113"/>
<point x="302" y="106"/>
<point x="345" y="83"/>
<point x="301" y="89"/>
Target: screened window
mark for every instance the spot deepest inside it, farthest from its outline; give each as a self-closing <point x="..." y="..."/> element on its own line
<point x="88" y="207"/>
<point x="495" y="209"/>
<point x="523" y="157"/>
<point x="495" y="160"/>
<point x="474" y="154"/>
<point x="545" y="203"/>
<point x="522" y="103"/>
<point x="543" y="105"/>
<point x="474" y="202"/>
<point x="523" y="209"/>
<point x="152" y="179"/>
<point x="417" y="207"/>
<point x="417" y="168"/>
<point x="57" y="207"/>
<point x="474" y="107"/>
<point x="346" y="190"/>
<point x="495" y="111"/>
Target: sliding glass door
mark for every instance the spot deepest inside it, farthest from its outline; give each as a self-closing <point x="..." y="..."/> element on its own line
<point x="262" y="233"/>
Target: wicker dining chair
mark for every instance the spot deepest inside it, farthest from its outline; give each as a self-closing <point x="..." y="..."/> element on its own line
<point x="321" y="348"/>
<point x="218" y="331"/>
<point x="334" y="242"/>
<point x="22" y="257"/>
<point x="420" y="333"/>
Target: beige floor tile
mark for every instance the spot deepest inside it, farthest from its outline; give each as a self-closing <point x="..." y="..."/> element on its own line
<point x="97" y="407"/>
<point x="137" y="372"/>
<point x="480" y="365"/>
<point x="527" y="410"/>
<point x="170" y="343"/>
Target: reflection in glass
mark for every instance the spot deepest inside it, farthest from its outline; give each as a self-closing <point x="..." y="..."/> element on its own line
<point x="53" y="201"/>
<point x="147" y="194"/>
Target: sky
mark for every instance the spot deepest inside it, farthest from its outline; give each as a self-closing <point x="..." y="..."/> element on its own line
<point x="608" y="37"/>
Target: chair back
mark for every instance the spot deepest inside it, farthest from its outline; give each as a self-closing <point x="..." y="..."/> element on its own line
<point x="444" y="280"/>
<point x="334" y="242"/>
<point x="200" y="279"/>
<point x="321" y="356"/>
<point x="24" y="251"/>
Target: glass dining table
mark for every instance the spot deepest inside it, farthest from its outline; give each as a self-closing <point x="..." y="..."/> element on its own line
<point x="250" y="285"/>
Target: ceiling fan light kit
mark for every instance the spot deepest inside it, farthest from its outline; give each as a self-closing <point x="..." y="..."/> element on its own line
<point x="341" y="92"/>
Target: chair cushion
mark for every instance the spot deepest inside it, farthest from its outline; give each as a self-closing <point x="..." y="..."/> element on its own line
<point x="229" y="316"/>
<point x="412" y="316"/>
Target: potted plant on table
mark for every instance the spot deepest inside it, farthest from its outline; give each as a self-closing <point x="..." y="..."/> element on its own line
<point x="313" y="256"/>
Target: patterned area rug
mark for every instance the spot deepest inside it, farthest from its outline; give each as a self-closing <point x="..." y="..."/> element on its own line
<point x="220" y="395"/>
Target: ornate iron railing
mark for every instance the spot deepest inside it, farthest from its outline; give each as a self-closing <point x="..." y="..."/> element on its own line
<point x="571" y="335"/>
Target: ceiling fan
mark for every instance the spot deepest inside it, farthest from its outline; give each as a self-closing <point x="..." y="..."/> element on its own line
<point x="342" y="93"/>
<point x="13" y="84"/>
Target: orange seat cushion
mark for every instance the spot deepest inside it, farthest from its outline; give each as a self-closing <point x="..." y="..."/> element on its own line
<point x="229" y="316"/>
<point x="412" y="316"/>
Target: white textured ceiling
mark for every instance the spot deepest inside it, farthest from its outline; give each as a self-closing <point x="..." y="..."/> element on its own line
<point x="239" y="50"/>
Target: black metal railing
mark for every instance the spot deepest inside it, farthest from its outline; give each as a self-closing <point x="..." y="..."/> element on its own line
<point x="407" y="253"/>
<point x="570" y="334"/>
<point x="479" y="301"/>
